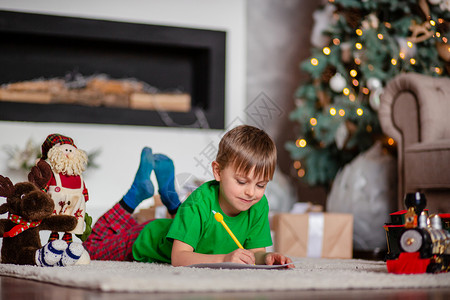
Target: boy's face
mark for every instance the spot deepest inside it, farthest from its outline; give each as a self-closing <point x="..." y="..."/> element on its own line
<point x="238" y="192"/>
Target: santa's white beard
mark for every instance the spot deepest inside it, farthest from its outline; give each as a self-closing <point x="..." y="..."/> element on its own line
<point x="74" y="164"/>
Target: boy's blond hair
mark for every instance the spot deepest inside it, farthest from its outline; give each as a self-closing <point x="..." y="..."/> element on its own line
<point x="246" y="147"/>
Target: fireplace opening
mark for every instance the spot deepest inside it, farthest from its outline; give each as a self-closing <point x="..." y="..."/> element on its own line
<point x="65" y="69"/>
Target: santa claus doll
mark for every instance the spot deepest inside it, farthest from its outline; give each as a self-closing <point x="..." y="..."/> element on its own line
<point x="58" y="173"/>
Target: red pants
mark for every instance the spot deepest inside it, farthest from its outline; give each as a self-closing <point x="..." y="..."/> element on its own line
<point x="113" y="235"/>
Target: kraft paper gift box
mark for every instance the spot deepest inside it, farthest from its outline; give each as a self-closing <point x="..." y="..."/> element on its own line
<point x="156" y="211"/>
<point x="327" y="235"/>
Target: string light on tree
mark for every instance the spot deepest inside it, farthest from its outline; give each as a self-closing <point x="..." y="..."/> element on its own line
<point x="333" y="111"/>
<point x="351" y="97"/>
<point x="301" y="143"/>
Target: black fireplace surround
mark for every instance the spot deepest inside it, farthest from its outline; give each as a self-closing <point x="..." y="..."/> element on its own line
<point x="168" y="58"/>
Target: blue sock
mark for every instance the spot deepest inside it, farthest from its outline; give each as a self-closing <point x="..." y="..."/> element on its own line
<point x="142" y="188"/>
<point x="165" y="175"/>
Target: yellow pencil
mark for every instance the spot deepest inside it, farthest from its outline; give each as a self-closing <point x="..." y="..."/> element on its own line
<point x="219" y="218"/>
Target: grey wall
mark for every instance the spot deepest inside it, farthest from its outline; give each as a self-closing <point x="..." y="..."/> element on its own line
<point x="278" y="39"/>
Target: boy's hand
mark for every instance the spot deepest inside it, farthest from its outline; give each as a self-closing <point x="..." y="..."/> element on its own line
<point x="274" y="258"/>
<point x="240" y="256"/>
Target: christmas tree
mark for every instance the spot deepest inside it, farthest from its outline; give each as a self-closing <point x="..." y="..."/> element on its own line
<point x="358" y="45"/>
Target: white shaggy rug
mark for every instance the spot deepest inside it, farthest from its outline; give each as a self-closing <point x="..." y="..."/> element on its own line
<point x="309" y="274"/>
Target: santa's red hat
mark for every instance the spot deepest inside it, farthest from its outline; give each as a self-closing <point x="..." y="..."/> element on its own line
<point x="52" y="140"/>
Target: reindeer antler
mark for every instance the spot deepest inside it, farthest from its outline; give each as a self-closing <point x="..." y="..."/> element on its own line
<point x="6" y="187"/>
<point x="40" y="174"/>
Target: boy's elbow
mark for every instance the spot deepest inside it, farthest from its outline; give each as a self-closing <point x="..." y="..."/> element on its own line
<point x="176" y="261"/>
<point x="180" y="255"/>
<point x="176" y="264"/>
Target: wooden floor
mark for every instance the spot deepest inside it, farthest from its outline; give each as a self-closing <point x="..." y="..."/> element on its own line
<point x="18" y="289"/>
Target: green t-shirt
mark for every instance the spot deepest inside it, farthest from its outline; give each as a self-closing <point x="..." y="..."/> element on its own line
<point x="196" y="226"/>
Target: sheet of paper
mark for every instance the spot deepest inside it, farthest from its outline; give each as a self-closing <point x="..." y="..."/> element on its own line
<point x="229" y="265"/>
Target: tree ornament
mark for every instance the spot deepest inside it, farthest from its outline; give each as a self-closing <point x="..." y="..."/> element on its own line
<point x="346" y="52"/>
<point x="374" y="83"/>
<point x="338" y="83"/>
<point x="370" y="22"/>
<point x="425" y="8"/>
<point x="341" y="136"/>
<point x="376" y="87"/>
<point x="374" y="99"/>
<point x="420" y="32"/>
<point x="322" y="20"/>
<point x="445" y="5"/>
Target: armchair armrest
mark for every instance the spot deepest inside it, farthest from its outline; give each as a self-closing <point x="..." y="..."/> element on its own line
<point x="415" y="112"/>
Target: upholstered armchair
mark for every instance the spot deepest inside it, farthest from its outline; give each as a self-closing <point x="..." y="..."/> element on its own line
<point x="415" y="112"/>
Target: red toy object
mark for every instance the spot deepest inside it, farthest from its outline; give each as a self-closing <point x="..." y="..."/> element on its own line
<point x="408" y="263"/>
<point x="417" y="242"/>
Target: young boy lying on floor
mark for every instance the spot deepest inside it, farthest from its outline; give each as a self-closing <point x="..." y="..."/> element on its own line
<point x="245" y="163"/>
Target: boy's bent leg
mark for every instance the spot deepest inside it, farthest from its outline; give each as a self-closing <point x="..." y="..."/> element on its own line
<point x="142" y="187"/>
<point x="165" y="175"/>
<point x="113" y="235"/>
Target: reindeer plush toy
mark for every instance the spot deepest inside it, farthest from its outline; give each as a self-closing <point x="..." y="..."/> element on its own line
<point x="29" y="211"/>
